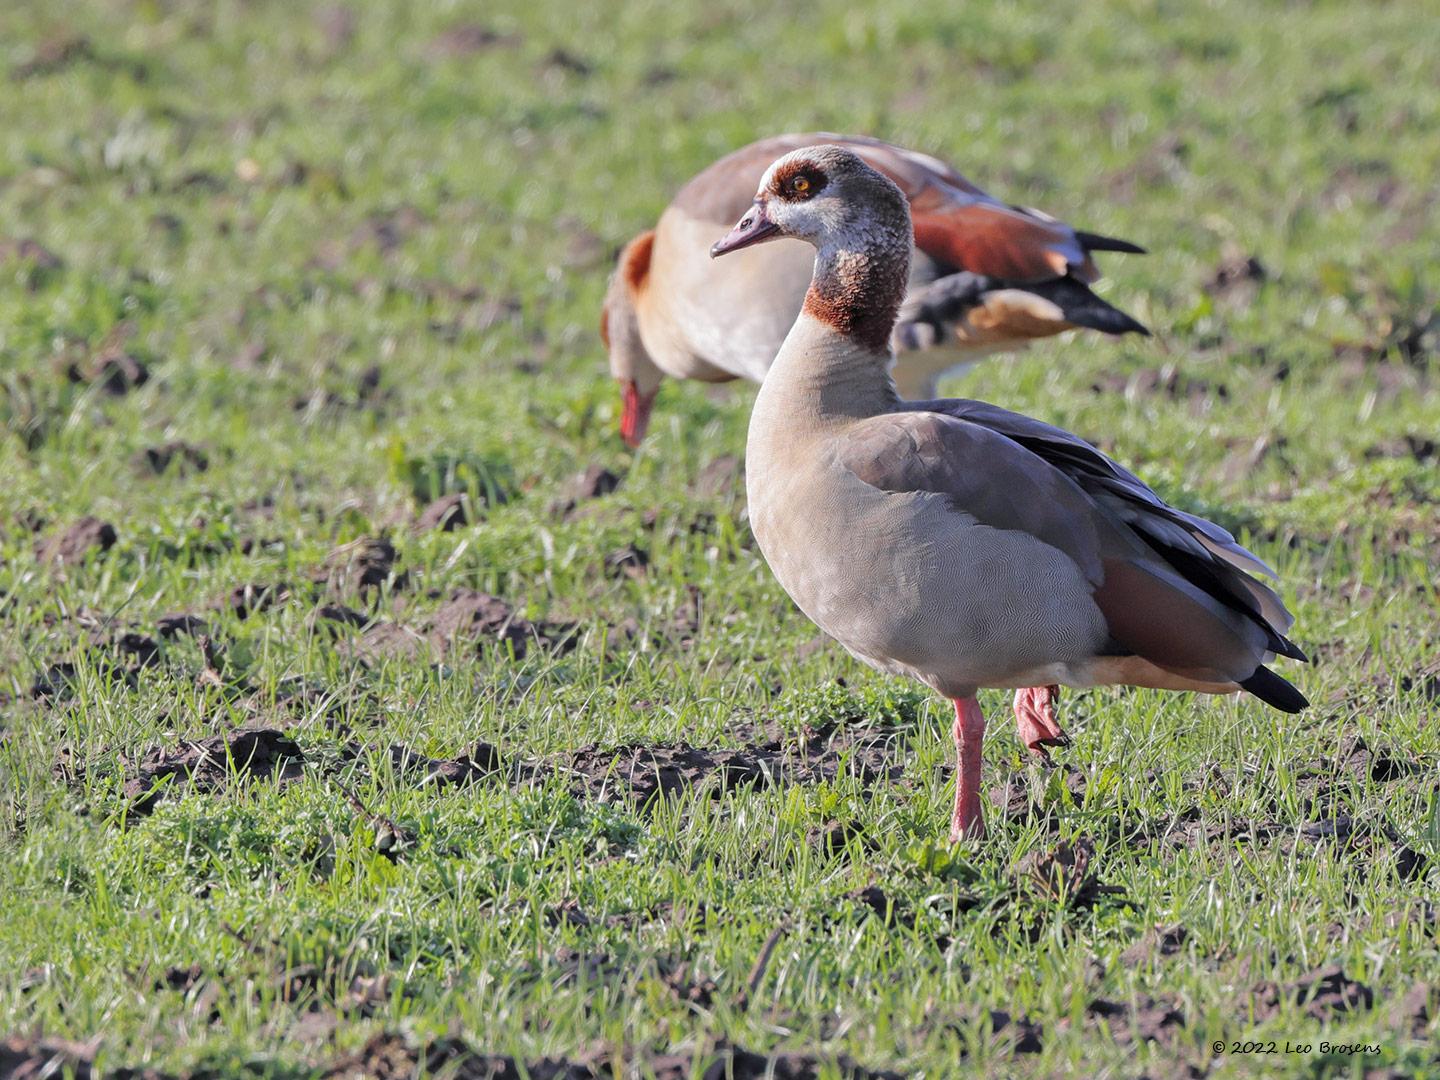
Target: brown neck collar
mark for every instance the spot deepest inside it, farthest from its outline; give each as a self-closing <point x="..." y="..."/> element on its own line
<point x="859" y="285"/>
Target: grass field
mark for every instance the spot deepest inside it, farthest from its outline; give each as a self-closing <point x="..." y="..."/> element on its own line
<point x="295" y="783"/>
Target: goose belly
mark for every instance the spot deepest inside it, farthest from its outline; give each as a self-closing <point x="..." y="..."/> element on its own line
<point x="912" y="586"/>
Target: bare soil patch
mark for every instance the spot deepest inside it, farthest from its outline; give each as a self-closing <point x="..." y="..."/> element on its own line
<point x="389" y="1056"/>
<point x="207" y="764"/>
<point x="640" y="773"/>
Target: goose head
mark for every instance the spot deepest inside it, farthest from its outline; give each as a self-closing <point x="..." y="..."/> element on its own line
<point x="827" y="196"/>
<point x="858" y="221"/>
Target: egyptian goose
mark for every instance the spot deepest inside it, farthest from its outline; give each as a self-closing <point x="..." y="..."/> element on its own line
<point x="986" y="276"/>
<point x="954" y="541"/>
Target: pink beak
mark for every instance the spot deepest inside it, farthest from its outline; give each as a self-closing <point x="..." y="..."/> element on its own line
<point x="635" y="413"/>
<point x="754" y="228"/>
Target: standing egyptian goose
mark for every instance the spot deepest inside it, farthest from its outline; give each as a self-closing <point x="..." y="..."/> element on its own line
<point x="956" y="542"/>
<point x="986" y="276"/>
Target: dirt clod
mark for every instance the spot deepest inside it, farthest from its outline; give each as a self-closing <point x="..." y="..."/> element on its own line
<point x="31" y="262"/>
<point x="483" y="760"/>
<point x="249" y="599"/>
<point x="594" y="483"/>
<point x="337" y="25"/>
<point x="629" y="560"/>
<point x="1237" y="279"/>
<point x="1424" y="683"/>
<point x="389" y="1056"/>
<point x="30" y="251"/>
<point x="1379" y="764"/>
<point x="361" y="565"/>
<point x="340" y="615"/>
<point x="206" y="764"/>
<point x="1419" y="447"/>
<point x="1323" y="994"/>
<point x="1063" y="874"/>
<point x="835" y="836"/>
<point x="1156" y="942"/>
<point x="645" y="772"/>
<point x="181" y="456"/>
<point x="112" y="370"/>
<point x="1023" y="1035"/>
<point x="71" y="546"/>
<point x="467" y="39"/>
<point x="39" y="1059"/>
<point x="723" y="476"/>
<point x="139" y="649"/>
<point x="385" y="640"/>
<point x="58" y="680"/>
<point x="687" y="984"/>
<point x="882" y="905"/>
<point x="1412" y="1010"/>
<point x="568" y="913"/>
<point x="181" y="622"/>
<point x="558" y="59"/>
<point x="472" y="617"/>
<point x="1149" y="1021"/>
<point x="447" y="513"/>
<point x="1167" y="381"/>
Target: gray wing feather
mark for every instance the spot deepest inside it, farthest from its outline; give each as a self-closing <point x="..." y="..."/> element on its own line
<point x="1124" y="493"/>
<point x="1013" y="472"/>
<point x="982" y="474"/>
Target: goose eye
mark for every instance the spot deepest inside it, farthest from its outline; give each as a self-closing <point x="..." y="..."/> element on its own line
<point x="800" y="185"/>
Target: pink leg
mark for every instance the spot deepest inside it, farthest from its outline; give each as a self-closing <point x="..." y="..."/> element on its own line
<point x="968" y="821"/>
<point x="1035" y="719"/>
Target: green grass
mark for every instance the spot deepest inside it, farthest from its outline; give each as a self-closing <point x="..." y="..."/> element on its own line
<point x="261" y="211"/>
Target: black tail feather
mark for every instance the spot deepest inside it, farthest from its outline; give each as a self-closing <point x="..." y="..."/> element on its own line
<point x="1110" y="320"/>
<point x="1083" y="308"/>
<point x="1273" y="690"/>
<point x="1095" y="242"/>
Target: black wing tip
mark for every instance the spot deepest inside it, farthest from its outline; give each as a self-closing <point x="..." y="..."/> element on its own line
<point x="1275" y="691"/>
<point x="1097" y="242"/>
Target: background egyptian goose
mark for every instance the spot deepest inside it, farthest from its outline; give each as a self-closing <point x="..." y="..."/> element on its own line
<point x="986" y="276"/>
<point x="954" y="541"/>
